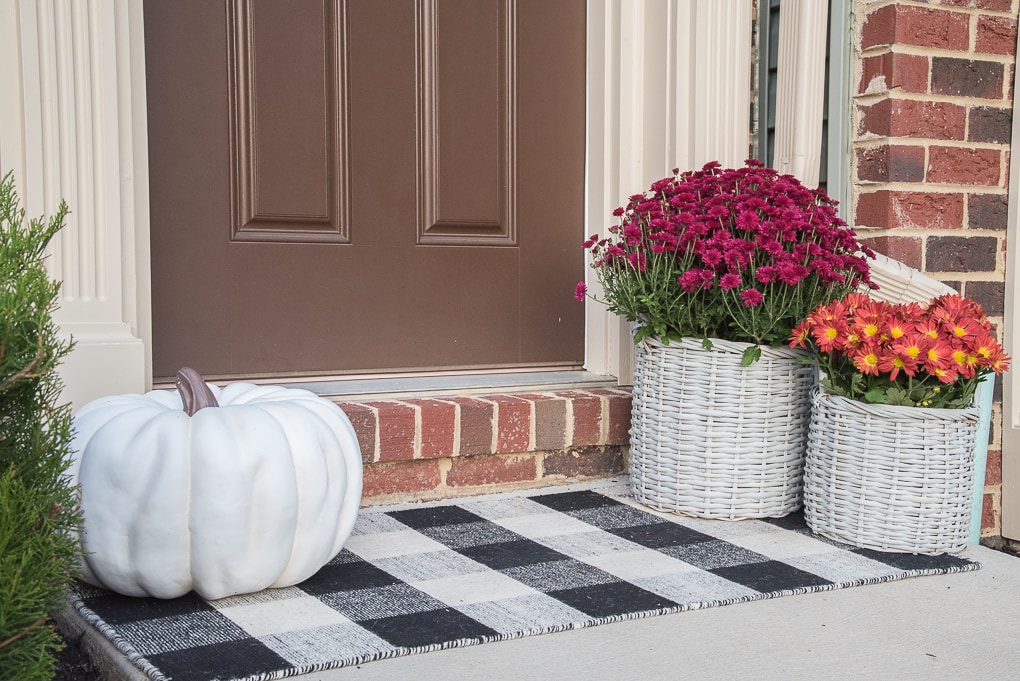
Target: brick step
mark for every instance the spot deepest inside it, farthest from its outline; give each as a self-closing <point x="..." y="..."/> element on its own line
<point x="429" y="448"/>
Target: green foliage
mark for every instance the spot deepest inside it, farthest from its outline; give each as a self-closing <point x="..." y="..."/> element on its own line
<point x="840" y="377"/>
<point x="39" y="515"/>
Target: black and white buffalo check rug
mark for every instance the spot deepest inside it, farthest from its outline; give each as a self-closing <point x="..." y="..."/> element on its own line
<point x="485" y="569"/>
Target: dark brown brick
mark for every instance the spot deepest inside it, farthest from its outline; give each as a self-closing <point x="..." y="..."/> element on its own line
<point x="961" y="253"/>
<point x="891" y="163"/>
<point x="966" y="78"/>
<point x="584" y="462"/>
<point x="990" y="124"/>
<point x="987" y="211"/>
<point x="989" y="294"/>
<point x="550" y="422"/>
<point x="475" y="426"/>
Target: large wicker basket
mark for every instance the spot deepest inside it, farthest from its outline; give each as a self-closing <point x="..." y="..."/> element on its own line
<point x="712" y="439"/>
<point x="890" y="478"/>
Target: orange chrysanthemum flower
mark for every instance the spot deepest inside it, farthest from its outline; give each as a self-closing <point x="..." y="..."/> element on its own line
<point x="800" y="334"/>
<point x="897" y="328"/>
<point x="894" y="364"/>
<point x="937" y="356"/>
<point x="866" y="361"/>
<point x="827" y="335"/>
<point x="927" y="327"/>
<point x="965" y="363"/>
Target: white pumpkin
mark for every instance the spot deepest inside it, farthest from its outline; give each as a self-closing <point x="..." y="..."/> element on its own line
<point x="220" y="491"/>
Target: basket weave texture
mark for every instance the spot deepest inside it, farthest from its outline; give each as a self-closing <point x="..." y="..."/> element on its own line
<point x="712" y="439"/>
<point x="890" y="478"/>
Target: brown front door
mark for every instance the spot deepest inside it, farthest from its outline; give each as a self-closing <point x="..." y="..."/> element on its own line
<point x="365" y="185"/>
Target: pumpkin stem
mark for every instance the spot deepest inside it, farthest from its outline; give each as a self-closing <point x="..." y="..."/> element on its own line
<point x="194" y="392"/>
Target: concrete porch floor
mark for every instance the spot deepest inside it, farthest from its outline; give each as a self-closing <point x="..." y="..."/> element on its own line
<point x="956" y="626"/>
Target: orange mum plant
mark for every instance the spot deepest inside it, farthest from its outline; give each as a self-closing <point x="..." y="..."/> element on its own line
<point x="902" y="354"/>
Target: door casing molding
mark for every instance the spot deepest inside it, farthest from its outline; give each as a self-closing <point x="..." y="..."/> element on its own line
<point x="668" y="86"/>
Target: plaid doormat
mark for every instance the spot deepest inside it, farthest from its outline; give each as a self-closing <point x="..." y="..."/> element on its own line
<point x="445" y="575"/>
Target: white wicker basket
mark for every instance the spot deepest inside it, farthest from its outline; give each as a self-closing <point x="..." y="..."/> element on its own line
<point x="712" y="439"/>
<point x="890" y="478"/>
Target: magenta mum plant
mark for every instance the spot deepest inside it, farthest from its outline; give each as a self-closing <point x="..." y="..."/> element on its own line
<point x="739" y="254"/>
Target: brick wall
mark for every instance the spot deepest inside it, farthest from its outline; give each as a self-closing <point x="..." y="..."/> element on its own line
<point x="428" y="448"/>
<point x="932" y="117"/>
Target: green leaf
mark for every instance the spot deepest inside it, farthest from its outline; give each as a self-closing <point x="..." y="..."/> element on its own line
<point x="898" y="396"/>
<point x="751" y="355"/>
<point x="875" y="396"/>
<point x="706" y="343"/>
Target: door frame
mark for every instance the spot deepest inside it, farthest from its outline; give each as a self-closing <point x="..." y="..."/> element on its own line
<point x="659" y="74"/>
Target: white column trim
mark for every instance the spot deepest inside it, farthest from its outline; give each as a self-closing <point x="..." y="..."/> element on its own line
<point x="1011" y="341"/>
<point x="82" y="130"/>
<point x="800" y="89"/>
<point x="669" y="86"/>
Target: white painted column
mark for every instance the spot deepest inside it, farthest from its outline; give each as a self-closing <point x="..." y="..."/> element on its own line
<point x="1011" y="341"/>
<point x="669" y="86"/>
<point x="77" y="132"/>
<point x="800" y="89"/>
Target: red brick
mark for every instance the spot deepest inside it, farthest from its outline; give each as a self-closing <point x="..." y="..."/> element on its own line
<point x="363" y="418"/>
<point x="911" y="118"/>
<point x="618" y="406"/>
<point x="438" y="427"/>
<point x="891" y="163"/>
<point x="906" y="249"/>
<point x="513" y="427"/>
<point x="996" y="35"/>
<point x="584" y="462"/>
<point x="966" y="78"/>
<point x="404" y="477"/>
<point x="473" y="471"/>
<point x="994" y="5"/>
<point x="396" y="430"/>
<point x="989" y="513"/>
<point x="587" y="409"/>
<point x="987" y="211"/>
<point x="959" y="165"/>
<point x="993" y="467"/>
<point x="920" y="26"/>
<point x="909" y="72"/>
<point x="887" y="209"/>
<point x="475" y="425"/>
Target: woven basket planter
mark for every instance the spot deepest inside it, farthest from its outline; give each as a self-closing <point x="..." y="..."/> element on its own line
<point x="712" y="439"/>
<point x="890" y="478"/>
